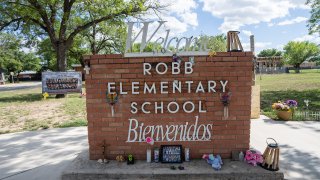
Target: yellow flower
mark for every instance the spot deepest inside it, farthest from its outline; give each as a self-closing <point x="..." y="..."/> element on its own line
<point x="212" y="53"/>
<point x="45" y="95"/>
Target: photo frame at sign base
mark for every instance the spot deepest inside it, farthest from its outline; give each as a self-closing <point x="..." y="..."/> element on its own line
<point x="171" y="154"/>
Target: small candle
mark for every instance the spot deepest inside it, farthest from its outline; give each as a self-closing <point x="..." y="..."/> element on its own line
<point x="187" y="154"/>
<point x="149" y="155"/>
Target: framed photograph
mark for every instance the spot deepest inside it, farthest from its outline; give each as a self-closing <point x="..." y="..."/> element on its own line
<point x="171" y="153"/>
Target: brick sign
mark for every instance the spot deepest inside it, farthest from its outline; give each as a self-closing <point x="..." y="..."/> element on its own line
<point x="174" y="103"/>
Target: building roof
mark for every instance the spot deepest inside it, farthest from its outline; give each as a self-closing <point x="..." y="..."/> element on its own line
<point x="76" y="65"/>
<point x="27" y="72"/>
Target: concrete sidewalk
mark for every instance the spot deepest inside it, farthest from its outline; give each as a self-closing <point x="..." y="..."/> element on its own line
<point x="21" y="85"/>
<point x="45" y="154"/>
<point x="299" y="145"/>
<point x="40" y="154"/>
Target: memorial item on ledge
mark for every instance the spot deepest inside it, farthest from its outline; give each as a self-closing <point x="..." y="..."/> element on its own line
<point x="148" y="155"/>
<point x="187" y="154"/>
<point x="225" y="99"/>
<point x="241" y="156"/>
<point x="285" y="110"/>
<point x="235" y="155"/>
<point x="120" y="158"/>
<point x="149" y="141"/>
<point x="171" y="154"/>
<point x="174" y="168"/>
<point x="130" y="159"/>
<point x="112" y="99"/>
<point x="215" y="161"/>
<point x="271" y="156"/>
<point x="156" y="154"/>
<point x="253" y="157"/>
<point x="104" y="159"/>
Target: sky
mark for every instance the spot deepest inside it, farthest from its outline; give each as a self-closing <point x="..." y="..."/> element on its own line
<point x="273" y="22"/>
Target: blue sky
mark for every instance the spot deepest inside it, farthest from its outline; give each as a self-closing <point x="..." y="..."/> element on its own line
<point x="272" y="22"/>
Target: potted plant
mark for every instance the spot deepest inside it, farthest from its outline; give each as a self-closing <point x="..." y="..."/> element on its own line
<point x="285" y="110"/>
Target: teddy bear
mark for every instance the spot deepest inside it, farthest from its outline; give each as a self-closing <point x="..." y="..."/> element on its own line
<point x="214" y="161"/>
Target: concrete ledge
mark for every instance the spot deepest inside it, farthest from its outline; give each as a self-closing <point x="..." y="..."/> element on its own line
<point x="83" y="168"/>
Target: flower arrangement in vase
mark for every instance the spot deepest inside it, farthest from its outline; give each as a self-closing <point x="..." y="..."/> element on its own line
<point x="285" y="110"/>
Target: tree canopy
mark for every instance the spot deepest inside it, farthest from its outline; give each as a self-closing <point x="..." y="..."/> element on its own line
<point x="12" y="58"/>
<point x="314" y="20"/>
<point x="269" y="53"/>
<point x="62" y="20"/>
<point x="297" y="52"/>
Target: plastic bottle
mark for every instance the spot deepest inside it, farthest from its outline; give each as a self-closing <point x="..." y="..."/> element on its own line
<point x="241" y="156"/>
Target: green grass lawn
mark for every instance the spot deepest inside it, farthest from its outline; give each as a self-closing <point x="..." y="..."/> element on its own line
<point x="280" y="87"/>
<point x="26" y="110"/>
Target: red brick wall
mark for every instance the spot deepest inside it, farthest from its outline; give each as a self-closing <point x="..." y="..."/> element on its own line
<point x="228" y="135"/>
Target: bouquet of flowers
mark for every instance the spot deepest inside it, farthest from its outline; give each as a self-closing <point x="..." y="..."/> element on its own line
<point x="225" y="100"/>
<point x="292" y="103"/>
<point x="285" y="106"/>
<point x="253" y="157"/>
<point x="280" y="106"/>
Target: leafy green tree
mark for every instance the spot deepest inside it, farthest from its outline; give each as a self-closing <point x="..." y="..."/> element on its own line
<point x="12" y="59"/>
<point x="9" y="47"/>
<point x="314" y="20"/>
<point x="106" y="37"/>
<point x="218" y="43"/>
<point x="30" y="62"/>
<point x="270" y="53"/>
<point x="74" y="55"/>
<point x="150" y="47"/>
<point x="298" y="52"/>
<point x="63" y="20"/>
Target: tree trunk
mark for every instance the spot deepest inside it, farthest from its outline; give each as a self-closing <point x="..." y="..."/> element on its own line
<point x="61" y="61"/>
<point x="93" y="43"/>
<point x="297" y="68"/>
<point x="61" y="57"/>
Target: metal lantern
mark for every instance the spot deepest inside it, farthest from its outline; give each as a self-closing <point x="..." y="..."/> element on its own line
<point x="271" y="156"/>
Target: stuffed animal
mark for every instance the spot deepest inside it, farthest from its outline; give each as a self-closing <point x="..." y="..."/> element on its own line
<point x="214" y="161"/>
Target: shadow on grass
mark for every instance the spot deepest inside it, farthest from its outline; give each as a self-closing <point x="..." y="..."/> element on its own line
<point x="270" y="97"/>
<point x="21" y="98"/>
<point x="73" y="123"/>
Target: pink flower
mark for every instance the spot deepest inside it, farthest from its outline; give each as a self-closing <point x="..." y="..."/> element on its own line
<point x="149" y="140"/>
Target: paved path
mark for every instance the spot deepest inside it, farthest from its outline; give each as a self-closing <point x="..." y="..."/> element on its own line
<point x="21" y="85"/>
<point x="44" y="154"/>
<point x="299" y="145"/>
<point x="40" y="154"/>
